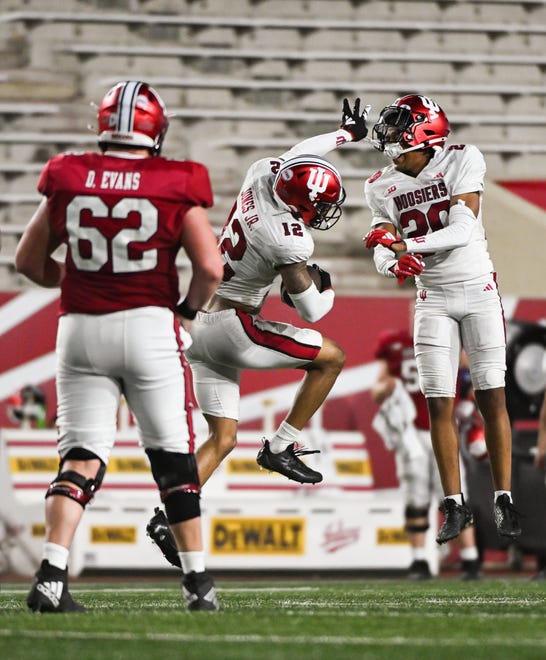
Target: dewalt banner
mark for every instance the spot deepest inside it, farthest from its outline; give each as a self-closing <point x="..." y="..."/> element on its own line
<point x="260" y="536"/>
<point x="103" y="534"/>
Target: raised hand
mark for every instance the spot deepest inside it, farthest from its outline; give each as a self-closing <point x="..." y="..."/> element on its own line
<point x="354" y="121"/>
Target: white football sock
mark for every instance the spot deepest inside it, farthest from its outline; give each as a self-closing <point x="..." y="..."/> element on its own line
<point x="192" y="561"/>
<point x="56" y="555"/>
<point x="284" y="436"/>
<point x="419" y="554"/>
<point x="469" y="554"/>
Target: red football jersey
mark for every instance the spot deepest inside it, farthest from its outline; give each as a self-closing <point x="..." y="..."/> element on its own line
<point x="397" y="349"/>
<point x="121" y="219"/>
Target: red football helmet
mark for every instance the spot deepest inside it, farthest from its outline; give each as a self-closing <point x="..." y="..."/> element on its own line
<point x="311" y="188"/>
<point x="411" y="122"/>
<point x="132" y="114"/>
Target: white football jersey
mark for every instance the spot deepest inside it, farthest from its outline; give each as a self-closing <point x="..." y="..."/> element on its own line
<point x="420" y="205"/>
<point x="260" y="235"/>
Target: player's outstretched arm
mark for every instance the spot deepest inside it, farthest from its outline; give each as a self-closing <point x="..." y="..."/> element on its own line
<point x="352" y="129"/>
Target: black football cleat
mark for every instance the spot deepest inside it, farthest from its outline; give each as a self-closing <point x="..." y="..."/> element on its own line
<point x="199" y="592"/>
<point x="456" y="518"/>
<point x="49" y="593"/>
<point x="506" y="517"/>
<point x="159" y="531"/>
<point x="472" y="569"/>
<point x="288" y="463"/>
<point x="419" y="570"/>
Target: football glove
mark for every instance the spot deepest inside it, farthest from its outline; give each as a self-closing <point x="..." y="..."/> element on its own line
<point x="325" y="278"/>
<point x="409" y="265"/>
<point x="380" y="237"/>
<point x="354" y="121"/>
<point x="321" y="279"/>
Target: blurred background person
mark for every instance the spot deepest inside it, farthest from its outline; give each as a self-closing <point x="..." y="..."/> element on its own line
<point x="28" y="408"/>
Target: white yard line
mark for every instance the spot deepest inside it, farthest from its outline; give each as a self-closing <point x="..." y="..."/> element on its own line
<point x="272" y="639"/>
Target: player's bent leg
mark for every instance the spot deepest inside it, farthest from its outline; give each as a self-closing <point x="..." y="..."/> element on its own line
<point x="177" y="479"/>
<point x="321" y="375"/>
<point x="221" y="440"/>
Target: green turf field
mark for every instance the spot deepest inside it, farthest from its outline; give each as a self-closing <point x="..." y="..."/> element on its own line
<point x="334" y="619"/>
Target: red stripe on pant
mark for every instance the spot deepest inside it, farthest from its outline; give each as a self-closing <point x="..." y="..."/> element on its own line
<point x="281" y="343"/>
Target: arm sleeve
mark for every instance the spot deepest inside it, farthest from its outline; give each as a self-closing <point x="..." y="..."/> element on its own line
<point x="312" y="305"/>
<point x="320" y="144"/>
<point x="384" y="260"/>
<point x="456" y="234"/>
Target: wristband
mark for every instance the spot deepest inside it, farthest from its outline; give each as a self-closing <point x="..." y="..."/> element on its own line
<point x="185" y="310"/>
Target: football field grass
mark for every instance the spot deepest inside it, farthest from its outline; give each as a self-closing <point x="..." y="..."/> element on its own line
<point x="283" y="619"/>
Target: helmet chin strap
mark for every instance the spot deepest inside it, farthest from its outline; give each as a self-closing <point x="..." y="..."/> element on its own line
<point x="395" y="149"/>
<point x="392" y="149"/>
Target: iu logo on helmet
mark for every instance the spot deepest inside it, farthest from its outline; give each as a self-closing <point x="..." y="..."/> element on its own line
<point x="432" y="107"/>
<point x="317" y="182"/>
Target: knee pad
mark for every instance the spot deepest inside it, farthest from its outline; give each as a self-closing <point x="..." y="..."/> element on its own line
<point x="178" y="481"/>
<point x="414" y="513"/>
<point x="80" y="488"/>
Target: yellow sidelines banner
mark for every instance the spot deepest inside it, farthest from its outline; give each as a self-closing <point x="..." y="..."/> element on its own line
<point x="111" y="534"/>
<point x="391" y="536"/>
<point x="257" y="536"/>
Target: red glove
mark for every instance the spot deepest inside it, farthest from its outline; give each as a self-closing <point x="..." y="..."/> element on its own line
<point x="409" y="265"/>
<point x="380" y="237"/>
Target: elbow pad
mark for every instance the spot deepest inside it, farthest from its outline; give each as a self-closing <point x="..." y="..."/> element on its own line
<point x="311" y="304"/>
<point x="457" y="233"/>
